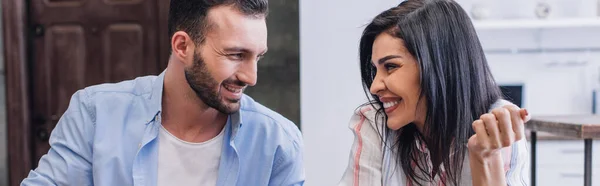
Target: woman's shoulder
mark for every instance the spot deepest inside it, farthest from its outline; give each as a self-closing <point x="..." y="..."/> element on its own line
<point x="367" y="113"/>
<point x="366" y="155"/>
<point x="368" y="110"/>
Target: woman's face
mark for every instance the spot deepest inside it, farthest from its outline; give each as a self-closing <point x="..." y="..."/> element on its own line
<point x="397" y="82"/>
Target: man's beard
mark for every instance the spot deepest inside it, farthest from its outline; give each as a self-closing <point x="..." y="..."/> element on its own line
<point x="207" y="88"/>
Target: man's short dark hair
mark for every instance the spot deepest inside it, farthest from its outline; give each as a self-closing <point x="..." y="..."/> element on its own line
<point x="190" y="15"/>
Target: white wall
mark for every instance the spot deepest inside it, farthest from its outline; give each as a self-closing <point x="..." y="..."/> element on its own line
<point x="330" y="81"/>
<point x="555" y="83"/>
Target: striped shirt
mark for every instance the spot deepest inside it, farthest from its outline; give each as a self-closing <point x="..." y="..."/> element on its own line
<point x="372" y="163"/>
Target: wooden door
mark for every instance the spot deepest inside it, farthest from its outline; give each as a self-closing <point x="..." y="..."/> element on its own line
<point x="77" y="43"/>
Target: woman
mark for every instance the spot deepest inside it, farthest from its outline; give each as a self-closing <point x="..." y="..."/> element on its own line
<point x="436" y="116"/>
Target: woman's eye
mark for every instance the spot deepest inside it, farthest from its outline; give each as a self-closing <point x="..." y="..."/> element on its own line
<point x="390" y="66"/>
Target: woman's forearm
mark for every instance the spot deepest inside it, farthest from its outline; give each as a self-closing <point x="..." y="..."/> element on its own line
<point x="488" y="171"/>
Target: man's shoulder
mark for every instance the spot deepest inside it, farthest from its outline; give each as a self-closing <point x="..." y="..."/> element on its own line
<point x="107" y="97"/>
<point x="257" y="115"/>
<point x="136" y="87"/>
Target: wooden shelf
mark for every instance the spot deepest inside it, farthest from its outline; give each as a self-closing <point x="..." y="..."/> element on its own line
<point x="536" y="23"/>
<point x="543" y="136"/>
<point x="571" y="126"/>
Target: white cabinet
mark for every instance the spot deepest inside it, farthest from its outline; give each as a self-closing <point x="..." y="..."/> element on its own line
<point x="555" y="175"/>
<point x="560" y="162"/>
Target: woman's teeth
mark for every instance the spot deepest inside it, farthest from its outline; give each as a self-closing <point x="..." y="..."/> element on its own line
<point x="390" y="104"/>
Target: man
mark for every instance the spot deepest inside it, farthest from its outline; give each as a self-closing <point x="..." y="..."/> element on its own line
<point x="192" y="124"/>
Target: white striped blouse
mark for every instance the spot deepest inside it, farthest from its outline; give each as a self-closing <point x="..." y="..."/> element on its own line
<point x="372" y="164"/>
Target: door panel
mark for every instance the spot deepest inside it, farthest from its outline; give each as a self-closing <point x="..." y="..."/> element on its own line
<point x="123" y="51"/>
<point x="65" y="58"/>
<point x="78" y="43"/>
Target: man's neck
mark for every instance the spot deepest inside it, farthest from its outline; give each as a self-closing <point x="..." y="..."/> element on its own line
<point x="183" y="114"/>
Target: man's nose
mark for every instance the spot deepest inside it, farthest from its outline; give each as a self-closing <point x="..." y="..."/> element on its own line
<point x="247" y="73"/>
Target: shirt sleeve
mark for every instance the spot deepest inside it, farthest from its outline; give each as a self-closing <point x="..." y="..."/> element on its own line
<point x="366" y="154"/>
<point x="288" y="168"/>
<point x="68" y="162"/>
<point x="517" y="163"/>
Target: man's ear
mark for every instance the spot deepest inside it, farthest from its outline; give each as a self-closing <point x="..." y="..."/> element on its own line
<point x="182" y="47"/>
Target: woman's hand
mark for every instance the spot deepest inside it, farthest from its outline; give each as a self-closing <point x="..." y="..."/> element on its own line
<point x="502" y="127"/>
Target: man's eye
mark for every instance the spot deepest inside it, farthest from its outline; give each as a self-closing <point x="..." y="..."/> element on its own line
<point x="236" y="56"/>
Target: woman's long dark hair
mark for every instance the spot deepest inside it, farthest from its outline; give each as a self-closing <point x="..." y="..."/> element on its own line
<point x="455" y="80"/>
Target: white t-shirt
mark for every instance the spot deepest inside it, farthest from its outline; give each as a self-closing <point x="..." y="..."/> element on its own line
<point x="185" y="163"/>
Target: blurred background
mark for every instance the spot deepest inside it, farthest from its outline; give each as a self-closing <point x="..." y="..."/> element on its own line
<point x="545" y="54"/>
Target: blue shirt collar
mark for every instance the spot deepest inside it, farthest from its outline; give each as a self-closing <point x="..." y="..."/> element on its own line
<point x="155" y="106"/>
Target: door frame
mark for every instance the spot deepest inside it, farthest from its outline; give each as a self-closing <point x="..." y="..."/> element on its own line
<point x="14" y="24"/>
<point x="16" y="49"/>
